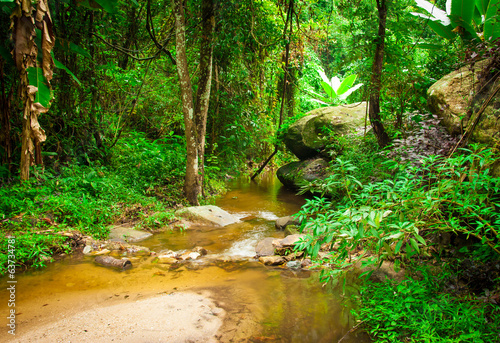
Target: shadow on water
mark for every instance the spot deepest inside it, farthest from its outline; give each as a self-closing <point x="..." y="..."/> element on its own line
<point x="263" y="304"/>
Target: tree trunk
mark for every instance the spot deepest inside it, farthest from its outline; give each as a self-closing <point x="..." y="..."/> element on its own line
<point x="191" y="182"/>
<point x="195" y="119"/>
<point x="374" y="104"/>
<point x="204" y="82"/>
<point x="5" y="134"/>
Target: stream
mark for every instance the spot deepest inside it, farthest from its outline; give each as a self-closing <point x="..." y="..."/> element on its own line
<point x="262" y="304"/>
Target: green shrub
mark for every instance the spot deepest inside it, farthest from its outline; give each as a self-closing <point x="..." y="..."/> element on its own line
<point x="416" y="310"/>
<point x="391" y="218"/>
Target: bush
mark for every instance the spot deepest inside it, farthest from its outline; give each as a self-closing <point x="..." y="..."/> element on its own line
<point x="416" y="310"/>
<point x="390" y="219"/>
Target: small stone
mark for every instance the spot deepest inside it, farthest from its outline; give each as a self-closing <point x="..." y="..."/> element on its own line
<point x="167" y="260"/>
<point x="102" y="252"/>
<point x="202" y="251"/>
<point x="168" y="253"/>
<point x="272" y="260"/>
<point x="305" y="263"/>
<point x="87" y="250"/>
<point x="293" y="264"/>
<point x="283" y="222"/>
<point x="190" y="255"/>
<point x="291" y="240"/>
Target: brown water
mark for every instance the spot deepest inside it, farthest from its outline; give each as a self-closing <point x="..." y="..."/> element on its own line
<point x="262" y="303"/>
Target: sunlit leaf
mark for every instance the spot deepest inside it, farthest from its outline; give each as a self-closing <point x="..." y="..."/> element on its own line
<point x="436" y="13"/>
<point x="346" y="84"/>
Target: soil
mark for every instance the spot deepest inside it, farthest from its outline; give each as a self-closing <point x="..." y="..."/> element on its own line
<point x="175" y="317"/>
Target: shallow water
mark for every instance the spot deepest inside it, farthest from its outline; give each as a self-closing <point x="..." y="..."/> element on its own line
<point x="262" y="303"/>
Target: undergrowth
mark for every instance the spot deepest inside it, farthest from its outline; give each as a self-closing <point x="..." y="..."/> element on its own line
<point x="142" y="182"/>
<point x="398" y="219"/>
<point x="419" y="310"/>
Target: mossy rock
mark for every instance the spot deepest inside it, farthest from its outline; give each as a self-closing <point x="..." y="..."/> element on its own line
<point x="296" y="174"/>
<point x="306" y="137"/>
<point x="453" y="95"/>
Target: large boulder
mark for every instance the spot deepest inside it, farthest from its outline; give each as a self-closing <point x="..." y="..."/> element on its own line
<point x="452" y="96"/>
<point x="295" y="174"/>
<point x="305" y="138"/>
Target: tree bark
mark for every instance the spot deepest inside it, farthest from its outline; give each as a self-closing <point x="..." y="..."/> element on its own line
<point x="378" y="60"/>
<point x="195" y="118"/>
<point x="191" y="181"/>
<point x="204" y="82"/>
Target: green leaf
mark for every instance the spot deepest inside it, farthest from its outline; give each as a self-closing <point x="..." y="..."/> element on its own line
<point x="106" y="5"/>
<point x="414" y="244"/>
<point x="328" y="89"/>
<point x="346" y="84"/>
<point x="36" y="78"/>
<point x="67" y="46"/>
<point x="420" y="239"/>
<point x="477" y="17"/>
<point x="59" y="65"/>
<point x="398" y="246"/>
<point x="388" y="249"/>
<point x="462" y="11"/>
<point x="440" y="29"/>
<point x="429" y="46"/>
<point x="492" y="21"/>
<point x="6" y="0"/>
<point x="482" y="6"/>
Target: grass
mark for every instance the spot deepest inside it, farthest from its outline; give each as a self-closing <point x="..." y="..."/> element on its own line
<point x="420" y="310"/>
<point x="141" y="183"/>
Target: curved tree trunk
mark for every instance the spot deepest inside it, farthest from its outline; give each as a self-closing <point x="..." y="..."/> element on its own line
<point x="378" y="60"/>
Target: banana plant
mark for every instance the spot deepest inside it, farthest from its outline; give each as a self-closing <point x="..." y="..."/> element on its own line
<point x="335" y="89"/>
<point x="462" y="17"/>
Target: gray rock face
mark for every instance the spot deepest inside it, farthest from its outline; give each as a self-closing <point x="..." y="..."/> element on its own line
<point x="305" y="137"/>
<point x="294" y="175"/>
<point x="127" y="234"/>
<point x="212" y="214"/>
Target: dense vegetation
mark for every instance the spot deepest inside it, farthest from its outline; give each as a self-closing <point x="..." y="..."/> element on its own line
<point x="115" y="132"/>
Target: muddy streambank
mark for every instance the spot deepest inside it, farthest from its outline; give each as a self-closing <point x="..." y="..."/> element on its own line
<point x="230" y="298"/>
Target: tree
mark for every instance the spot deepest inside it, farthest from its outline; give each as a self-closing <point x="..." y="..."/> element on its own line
<point x="195" y="114"/>
<point x="34" y="80"/>
<point x="376" y="77"/>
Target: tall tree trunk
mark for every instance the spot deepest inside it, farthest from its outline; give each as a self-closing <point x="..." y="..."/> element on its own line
<point x="191" y="181"/>
<point x="195" y="119"/>
<point x="374" y="105"/>
<point x="204" y="82"/>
